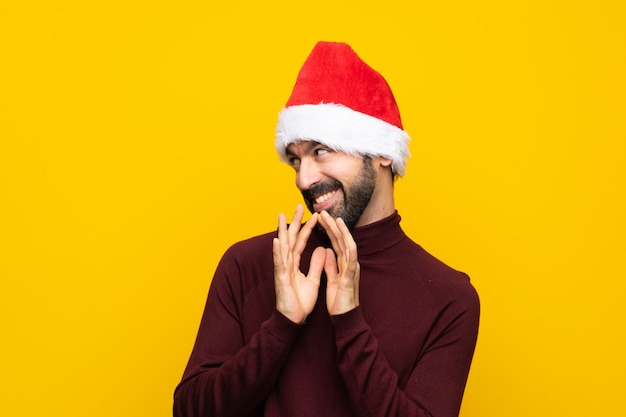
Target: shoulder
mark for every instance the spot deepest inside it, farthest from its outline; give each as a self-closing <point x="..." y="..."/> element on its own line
<point x="248" y="249"/>
<point x="444" y="283"/>
<point x="248" y="257"/>
<point x="245" y="265"/>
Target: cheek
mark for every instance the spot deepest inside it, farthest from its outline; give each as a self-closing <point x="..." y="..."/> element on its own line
<point x="345" y="171"/>
<point x="347" y="174"/>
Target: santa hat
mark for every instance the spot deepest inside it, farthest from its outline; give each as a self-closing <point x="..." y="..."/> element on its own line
<point x="341" y="102"/>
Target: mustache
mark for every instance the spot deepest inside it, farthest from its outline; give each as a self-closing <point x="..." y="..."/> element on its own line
<point x="321" y="188"/>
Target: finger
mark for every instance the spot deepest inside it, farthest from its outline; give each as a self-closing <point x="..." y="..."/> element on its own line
<point x="305" y="233"/>
<point x="295" y="224"/>
<point x="351" y="253"/>
<point x="279" y="265"/>
<point x="330" y="265"/>
<point x="332" y="230"/>
<point x="327" y="222"/>
<point x="348" y="240"/>
<point x="283" y="236"/>
<point x="318" y="260"/>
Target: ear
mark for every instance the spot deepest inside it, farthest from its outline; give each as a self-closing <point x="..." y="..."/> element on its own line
<point x="385" y="162"/>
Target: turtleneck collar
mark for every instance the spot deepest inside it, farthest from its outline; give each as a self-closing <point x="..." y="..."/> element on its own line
<point x="374" y="237"/>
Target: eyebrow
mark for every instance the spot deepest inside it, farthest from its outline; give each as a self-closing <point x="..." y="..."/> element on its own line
<point x="308" y="148"/>
<point x="311" y="144"/>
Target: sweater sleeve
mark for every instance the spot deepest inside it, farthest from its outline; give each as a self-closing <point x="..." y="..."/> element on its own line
<point x="437" y="381"/>
<point x="225" y="375"/>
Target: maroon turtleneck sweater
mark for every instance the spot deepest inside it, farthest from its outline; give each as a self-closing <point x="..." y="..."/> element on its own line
<point x="405" y="351"/>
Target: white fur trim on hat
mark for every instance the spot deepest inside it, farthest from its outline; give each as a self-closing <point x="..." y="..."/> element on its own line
<point x="342" y="129"/>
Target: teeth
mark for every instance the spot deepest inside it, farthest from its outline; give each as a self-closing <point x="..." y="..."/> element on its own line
<point x="324" y="197"/>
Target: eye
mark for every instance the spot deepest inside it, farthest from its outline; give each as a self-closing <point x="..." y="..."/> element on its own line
<point x="321" y="151"/>
<point x="293" y="161"/>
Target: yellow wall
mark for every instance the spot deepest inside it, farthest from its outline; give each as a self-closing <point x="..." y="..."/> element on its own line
<point x="136" y="145"/>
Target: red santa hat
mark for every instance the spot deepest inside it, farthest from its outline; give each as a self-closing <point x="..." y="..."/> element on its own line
<point x="341" y="102"/>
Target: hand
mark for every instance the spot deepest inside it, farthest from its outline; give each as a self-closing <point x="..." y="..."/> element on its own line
<point x="296" y="294"/>
<point x="343" y="271"/>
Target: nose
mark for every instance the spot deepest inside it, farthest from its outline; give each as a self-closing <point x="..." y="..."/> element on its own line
<point x="308" y="174"/>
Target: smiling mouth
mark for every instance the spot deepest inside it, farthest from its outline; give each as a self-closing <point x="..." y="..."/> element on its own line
<point x="320" y="199"/>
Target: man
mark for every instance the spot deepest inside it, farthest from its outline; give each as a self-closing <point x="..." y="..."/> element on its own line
<point x="343" y="315"/>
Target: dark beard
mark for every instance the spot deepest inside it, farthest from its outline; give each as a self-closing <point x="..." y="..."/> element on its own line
<point x="355" y="199"/>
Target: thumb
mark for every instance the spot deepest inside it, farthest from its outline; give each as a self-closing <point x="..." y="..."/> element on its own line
<point x="317" y="264"/>
<point x="330" y="265"/>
